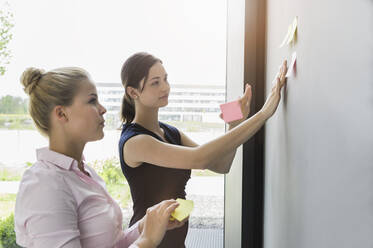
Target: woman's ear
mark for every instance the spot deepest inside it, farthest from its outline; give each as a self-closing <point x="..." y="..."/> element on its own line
<point x="132" y="92"/>
<point x="59" y="113"/>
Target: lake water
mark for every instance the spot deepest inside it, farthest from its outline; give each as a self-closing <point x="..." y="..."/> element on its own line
<point x="18" y="146"/>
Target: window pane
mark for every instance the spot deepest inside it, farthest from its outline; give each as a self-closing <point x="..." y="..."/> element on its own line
<point x="189" y="36"/>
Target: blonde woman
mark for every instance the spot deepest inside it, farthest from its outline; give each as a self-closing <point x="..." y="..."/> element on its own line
<point x="62" y="202"/>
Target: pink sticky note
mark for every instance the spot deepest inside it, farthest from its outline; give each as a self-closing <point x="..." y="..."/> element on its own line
<point x="292" y="67"/>
<point x="231" y="111"/>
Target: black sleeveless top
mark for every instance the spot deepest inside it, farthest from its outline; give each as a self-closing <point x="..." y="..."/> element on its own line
<point x="151" y="184"/>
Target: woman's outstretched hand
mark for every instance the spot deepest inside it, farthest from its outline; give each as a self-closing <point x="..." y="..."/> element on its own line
<point x="270" y="106"/>
<point x="156" y="221"/>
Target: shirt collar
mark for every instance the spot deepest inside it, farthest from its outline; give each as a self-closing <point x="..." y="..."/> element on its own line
<point x="59" y="159"/>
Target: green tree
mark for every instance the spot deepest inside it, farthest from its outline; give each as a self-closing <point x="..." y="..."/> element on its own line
<point x="6" y="25"/>
<point x="13" y="105"/>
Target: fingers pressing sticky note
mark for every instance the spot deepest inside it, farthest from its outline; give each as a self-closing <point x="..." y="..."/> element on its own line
<point x="183" y="210"/>
<point x="231" y="111"/>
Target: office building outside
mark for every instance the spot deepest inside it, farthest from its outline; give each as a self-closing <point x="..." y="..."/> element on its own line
<point x="196" y="103"/>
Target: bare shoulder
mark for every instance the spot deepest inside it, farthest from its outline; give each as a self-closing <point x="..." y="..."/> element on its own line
<point x="139" y="140"/>
<point x="135" y="147"/>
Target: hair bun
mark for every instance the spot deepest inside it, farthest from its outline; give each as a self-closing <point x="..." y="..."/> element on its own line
<point x="30" y="78"/>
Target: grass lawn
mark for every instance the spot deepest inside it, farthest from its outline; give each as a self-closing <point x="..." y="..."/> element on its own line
<point x="11" y="174"/>
<point x="7" y="203"/>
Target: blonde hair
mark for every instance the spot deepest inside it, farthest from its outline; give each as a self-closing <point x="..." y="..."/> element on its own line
<point x="50" y="89"/>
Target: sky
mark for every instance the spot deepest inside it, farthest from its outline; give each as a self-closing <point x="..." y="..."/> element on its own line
<point x="189" y="36"/>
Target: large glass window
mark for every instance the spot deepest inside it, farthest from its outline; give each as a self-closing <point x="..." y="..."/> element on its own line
<point x="189" y="36"/>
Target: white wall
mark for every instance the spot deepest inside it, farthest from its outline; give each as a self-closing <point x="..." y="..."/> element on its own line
<point x="319" y="144"/>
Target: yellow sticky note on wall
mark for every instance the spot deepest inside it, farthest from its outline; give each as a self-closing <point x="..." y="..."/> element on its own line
<point x="291" y="34"/>
<point x="183" y="210"/>
<point x="293" y="30"/>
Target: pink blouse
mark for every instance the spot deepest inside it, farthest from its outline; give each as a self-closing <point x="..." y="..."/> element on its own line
<point x="59" y="206"/>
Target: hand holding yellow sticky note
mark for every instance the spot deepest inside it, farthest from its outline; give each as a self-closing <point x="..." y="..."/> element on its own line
<point x="183" y="210"/>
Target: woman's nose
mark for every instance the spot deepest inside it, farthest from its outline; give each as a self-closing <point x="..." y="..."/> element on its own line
<point x="102" y="110"/>
<point x="165" y="85"/>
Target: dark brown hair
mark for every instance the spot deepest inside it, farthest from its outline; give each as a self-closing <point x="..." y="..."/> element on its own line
<point x="135" y="69"/>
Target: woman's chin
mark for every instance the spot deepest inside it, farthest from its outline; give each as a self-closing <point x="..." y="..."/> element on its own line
<point x="102" y="135"/>
<point x="164" y="104"/>
<point x="99" y="136"/>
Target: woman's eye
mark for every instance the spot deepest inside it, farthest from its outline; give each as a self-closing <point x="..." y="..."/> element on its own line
<point x="93" y="100"/>
<point x="155" y="83"/>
